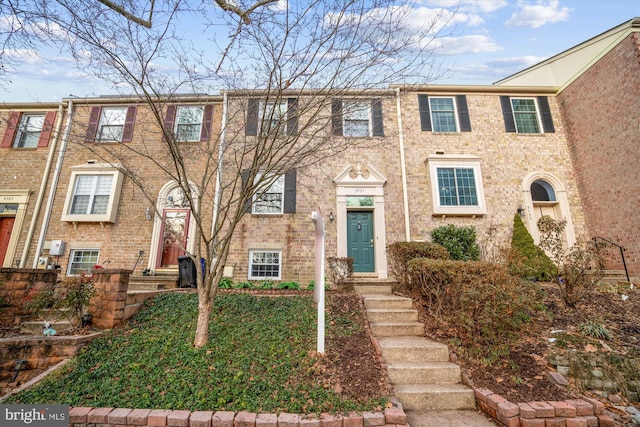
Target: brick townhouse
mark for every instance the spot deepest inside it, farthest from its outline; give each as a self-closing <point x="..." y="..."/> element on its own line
<point x="598" y="91"/>
<point x="406" y="159"/>
<point x="96" y="214"/>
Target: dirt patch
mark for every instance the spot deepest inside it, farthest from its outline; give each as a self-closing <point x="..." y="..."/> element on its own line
<point x="521" y="375"/>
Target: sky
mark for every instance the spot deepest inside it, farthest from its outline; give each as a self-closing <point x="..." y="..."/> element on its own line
<point x="489" y="40"/>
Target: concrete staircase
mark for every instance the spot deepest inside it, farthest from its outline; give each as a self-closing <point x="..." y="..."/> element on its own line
<point x="418" y="368"/>
<point x="153" y="283"/>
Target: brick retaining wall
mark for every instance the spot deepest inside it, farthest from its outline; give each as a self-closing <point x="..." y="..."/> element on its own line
<point x="121" y="417"/>
<point x="583" y="412"/>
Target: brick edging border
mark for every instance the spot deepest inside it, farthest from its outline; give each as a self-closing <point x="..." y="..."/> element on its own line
<point x="584" y="412"/>
<point x="121" y="417"/>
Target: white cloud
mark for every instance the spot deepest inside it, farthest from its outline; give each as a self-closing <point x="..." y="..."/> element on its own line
<point x="472" y="6"/>
<point x="536" y="15"/>
<point x="449" y="46"/>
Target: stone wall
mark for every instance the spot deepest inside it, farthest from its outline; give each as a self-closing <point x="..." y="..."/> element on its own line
<point x="121" y="417"/>
<point x="39" y="352"/>
<point x="17" y="285"/>
<point x="109" y="303"/>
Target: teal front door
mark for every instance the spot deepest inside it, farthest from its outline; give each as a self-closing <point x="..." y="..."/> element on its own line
<point x="360" y="241"/>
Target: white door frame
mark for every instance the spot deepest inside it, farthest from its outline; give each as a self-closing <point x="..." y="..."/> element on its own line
<point x="358" y="181"/>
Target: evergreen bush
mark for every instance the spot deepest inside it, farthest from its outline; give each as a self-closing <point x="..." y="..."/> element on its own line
<point x="459" y="241"/>
<point x="526" y="259"/>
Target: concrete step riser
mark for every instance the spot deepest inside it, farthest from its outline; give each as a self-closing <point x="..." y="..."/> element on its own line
<point x="372" y="289"/>
<point x="448" y="373"/>
<point x="387" y="304"/>
<point x="415" y="355"/>
<point x="397" y="330"/>
<point x="381" y="315"/>
<point x="439" y="400"/>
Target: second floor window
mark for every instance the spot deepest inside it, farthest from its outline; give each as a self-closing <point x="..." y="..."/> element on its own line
<point x="29" y="131"/>
<point x="525" y="115"/>
<point x="443" y="114"/>
<point x="111" y="124"/>
<point x="188" y="123"/>
<point x="356" y="118"/>
<point x="273" y="118"/>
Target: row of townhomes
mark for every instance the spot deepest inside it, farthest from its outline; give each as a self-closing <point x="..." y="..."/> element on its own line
<point x="560" y="138"/>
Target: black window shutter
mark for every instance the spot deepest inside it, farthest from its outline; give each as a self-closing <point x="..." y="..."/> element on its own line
<point x="425" y="113"/>
<point x="336" y="117"/>
<point x="545" y="113"/>
<point x="207" y="119"/>
<point x="376" y="115"/>
<point x="130" y="119"/>
<point x="289" y="192"/>
<point x="251" y="128"/>
<point x="507" y="113"/>
<point x="245" y="186"/>
<point x="169" y="120"/>
<point x="92" y="128"/>
<point x="292" y="116"/>
<point x="463" y="113"/>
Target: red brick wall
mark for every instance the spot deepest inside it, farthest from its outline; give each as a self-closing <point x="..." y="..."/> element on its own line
<point x="601" y="112"/>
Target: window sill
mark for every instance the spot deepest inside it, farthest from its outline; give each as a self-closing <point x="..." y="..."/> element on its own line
<point x="460" y="214"/>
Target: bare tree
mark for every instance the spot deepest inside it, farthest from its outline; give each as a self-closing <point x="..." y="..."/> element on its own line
<point x="280" y="62"/>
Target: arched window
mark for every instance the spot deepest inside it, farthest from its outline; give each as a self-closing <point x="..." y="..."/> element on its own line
<point x="542" y="191"/>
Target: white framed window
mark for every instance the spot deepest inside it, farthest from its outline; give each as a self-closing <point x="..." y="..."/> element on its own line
<point x="111" y="124"/>
<point x="525" y="115"/>
<point x="29" y="131"/>
<point x="269" y="200"/>
<point x="189" y="123"/>
<point x="82" y="261"/>
<point x="443" y="114"/>
<point x="265" y="264"/>
<point x="356" y="118"/>
<point x="273" y="117"/>
<point x="456" y="185"/>
<point x="93" y="194"/>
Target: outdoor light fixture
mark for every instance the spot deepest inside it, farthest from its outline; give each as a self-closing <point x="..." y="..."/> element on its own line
<point x="147" y="214"/>
<point x="331" y="217"/>
<point x="520" y="210"/>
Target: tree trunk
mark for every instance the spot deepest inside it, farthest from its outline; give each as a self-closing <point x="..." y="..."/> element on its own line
<point x="202" y="327"/>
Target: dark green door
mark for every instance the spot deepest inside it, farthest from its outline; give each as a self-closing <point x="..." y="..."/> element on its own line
<point x="360" y="241"/>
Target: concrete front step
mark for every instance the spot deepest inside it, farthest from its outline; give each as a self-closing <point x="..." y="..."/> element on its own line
<point x="372" y="289"/>
<point x="381" y="301"/>
<point x="435" y="396"/>
<point x="412" y="349"/>
<point x="377" y="315"/>
<point x="396" y="329"/>
<point x="424" y="373"/>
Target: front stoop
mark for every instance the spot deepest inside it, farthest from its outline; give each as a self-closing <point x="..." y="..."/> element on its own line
<point x="418" y="368"/>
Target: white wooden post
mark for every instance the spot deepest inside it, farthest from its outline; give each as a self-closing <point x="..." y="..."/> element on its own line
<point x="318" y="290"/>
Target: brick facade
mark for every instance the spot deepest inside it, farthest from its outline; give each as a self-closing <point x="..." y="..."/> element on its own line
<point x="600" y="111"/>
<point x="371" y="165"/>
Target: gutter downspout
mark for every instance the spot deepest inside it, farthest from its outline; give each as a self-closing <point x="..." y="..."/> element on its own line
<point x="43" y="187"/>
<point x="54" y="183"/>
<point x="218" y="188"/>
<point x="403" y="169"/>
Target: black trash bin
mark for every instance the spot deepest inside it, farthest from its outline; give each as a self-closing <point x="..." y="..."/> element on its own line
<point x="186" y="272"/>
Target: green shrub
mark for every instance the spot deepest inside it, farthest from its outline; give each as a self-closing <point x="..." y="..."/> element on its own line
<point x="459" y="241"/>
<point x="481" y="302"/>
<point x="289" y="285"/>
<point x="595" y="330"/>
<point x="400" y="253"/>
<point x="243" y="285"/>
<point x="226" y="283"/>
<point x="267" y="284"/>
<point x="526" y="259"/>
